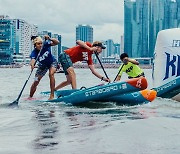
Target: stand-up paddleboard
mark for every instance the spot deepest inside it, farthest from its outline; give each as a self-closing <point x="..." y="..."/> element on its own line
<point x="134" y="98"/>
<point x="139" y="97"/>
<point x="166" y="68"/>
<point x="61" y="93"/>
<point x="105" y="91"/>
<point x="169" y="90"/>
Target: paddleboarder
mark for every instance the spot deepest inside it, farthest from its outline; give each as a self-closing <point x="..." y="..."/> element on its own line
<point x="129" y="66"/>
<point x="82" y="52"/>
<point x="46" y="61"/>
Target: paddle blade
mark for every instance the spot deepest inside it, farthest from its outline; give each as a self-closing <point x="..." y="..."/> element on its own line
<point x="13" y="104"/>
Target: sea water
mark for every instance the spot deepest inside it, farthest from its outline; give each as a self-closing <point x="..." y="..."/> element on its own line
<point x="43" y="128"/>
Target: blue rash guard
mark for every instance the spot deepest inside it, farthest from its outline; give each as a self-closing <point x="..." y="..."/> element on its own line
<point x="46" y="58"/>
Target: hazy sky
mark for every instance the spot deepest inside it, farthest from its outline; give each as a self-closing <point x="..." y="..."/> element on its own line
<point x="62" y="16"/>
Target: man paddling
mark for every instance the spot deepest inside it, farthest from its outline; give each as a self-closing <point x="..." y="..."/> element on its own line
<point x="46" y="61"/>
<point x="129" y="66"/>
<point x="82" y="52"/>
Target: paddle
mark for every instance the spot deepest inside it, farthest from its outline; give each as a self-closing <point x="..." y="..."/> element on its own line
<point x="101" y="64"/>
<point x="15" y="103"/>
<point x="118" y="73"/>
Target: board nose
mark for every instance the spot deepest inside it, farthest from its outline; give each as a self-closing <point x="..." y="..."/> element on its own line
<point x="150" y="95"/>
<point x="140" y="83"/>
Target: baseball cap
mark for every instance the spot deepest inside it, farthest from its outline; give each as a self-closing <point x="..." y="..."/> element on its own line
<point x="99" y="44"/>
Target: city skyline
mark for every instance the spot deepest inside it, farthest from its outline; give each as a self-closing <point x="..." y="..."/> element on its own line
<point x="58" y="17"/>
<point x="143" y="20"/>
<point x="16" y="43"/>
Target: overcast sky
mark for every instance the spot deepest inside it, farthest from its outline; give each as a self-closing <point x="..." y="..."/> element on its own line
<point x="62" y="16"/>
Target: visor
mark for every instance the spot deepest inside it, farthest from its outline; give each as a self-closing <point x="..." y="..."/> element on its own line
<point x="100" y="45"/>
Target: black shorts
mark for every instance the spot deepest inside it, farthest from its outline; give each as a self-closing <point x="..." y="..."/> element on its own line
<point x="142" y="74"/>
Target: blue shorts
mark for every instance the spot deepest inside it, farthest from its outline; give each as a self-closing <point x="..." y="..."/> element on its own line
<point x="41" y="71"/>
<point x="65" y="61"/>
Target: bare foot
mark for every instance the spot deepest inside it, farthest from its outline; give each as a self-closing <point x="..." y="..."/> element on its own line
<point x="51" y="97"/>
<point x="30" y="98"/>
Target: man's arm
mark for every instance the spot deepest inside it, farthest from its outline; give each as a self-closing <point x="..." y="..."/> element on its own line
<point x="91" y="67"/>
<point x="133" y="61"/>
<point x="118" y="78"/>
<point x="53" y="40"/>
<point x="84" y="45"/>
<point x="32" y="62"/>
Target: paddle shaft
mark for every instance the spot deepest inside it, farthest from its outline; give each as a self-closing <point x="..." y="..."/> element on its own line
<point x="118" y="73"/>
<point x="101" y="64"/>
<point x="24" y="87"/>
<point x="28" y="78"/>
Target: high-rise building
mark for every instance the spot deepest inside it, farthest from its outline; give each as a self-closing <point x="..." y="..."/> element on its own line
<point x="110" y="48"/>
<point x="56" y="50"/>
<point x="117" y="49"/>
<point x="136" y="28"/>
<point x="143" y="20"/>
<point x="129" y="9"/>
<point x="84" y="33"/>
<point x="6" y="32"/>
<point x="162" y="15"/>
<point x="18" y="33"/>
<point x="22" y="37"/>
<point x="122" y="44"/>
<point x="43" y="33"/>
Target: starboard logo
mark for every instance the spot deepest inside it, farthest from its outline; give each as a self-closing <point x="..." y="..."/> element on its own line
<point x="101" y="90"/>
<point x="173" y="64"/>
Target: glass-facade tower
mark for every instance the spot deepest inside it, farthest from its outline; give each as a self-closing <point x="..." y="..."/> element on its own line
<point x="143" y="20"/>
<point x="6" y="31"/>
<point x="84" y="33"/>
<point x="136" y="28"/>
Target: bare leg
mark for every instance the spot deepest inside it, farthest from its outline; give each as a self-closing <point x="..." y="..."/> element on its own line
<point x="71" y="79"/>
<point x="64" y="83"/>
<point x="34" y="86"/>
<point x="72" y="76"/>
<point x="52" y="70"/>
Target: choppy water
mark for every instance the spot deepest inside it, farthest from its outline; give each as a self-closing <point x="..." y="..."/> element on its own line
<point x="44" y="128"/>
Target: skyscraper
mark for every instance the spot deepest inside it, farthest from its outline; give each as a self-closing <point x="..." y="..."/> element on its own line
<point x="129" y="10"/>
<point x="110" y="48"/>
<point x="143" y="20"/>
<point x="163" y="15"/>
<point x="84" y="33"/>
<point x="136" y="28"/>
<point x="6" y="32"/>
<point x="56" y="50"/>
<point x="22" y="37"/>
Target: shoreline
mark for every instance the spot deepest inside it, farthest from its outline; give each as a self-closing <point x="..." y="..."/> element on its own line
<point x="109" y="66"/>
<point x="11" y="66"/>
<point x="83" y="66"/>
